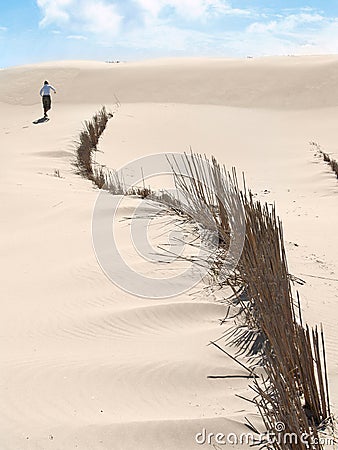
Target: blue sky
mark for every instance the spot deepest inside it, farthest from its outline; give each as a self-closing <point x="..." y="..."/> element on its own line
<point x="45" y="30"/>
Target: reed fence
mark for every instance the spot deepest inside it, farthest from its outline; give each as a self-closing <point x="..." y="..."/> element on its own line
<point x="269" y="329"/>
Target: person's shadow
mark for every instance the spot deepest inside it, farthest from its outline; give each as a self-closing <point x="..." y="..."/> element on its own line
<point x="42" y="120"/>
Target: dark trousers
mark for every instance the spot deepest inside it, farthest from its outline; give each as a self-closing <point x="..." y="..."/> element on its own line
<point x="46" y="102"/>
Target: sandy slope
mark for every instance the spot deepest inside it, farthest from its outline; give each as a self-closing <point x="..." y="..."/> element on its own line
<point x="85" y="365"/>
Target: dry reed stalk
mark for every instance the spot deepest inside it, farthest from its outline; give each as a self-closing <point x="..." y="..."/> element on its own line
<point x="296" y="394"/>
<point x="89" y="137"/>
<point x="326" y="157"/>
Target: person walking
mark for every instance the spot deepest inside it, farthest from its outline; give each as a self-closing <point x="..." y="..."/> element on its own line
<point x="46" y="98"/>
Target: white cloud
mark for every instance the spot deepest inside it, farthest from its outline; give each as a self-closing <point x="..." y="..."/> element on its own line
<point x="55" y="11"/>
<point x="106" y="18"/>
<point x="78" y="37"/>
<point x="307" y="32"/>
<point x="293" y="34"/>
<point x="285" y="24"/>
<point x="151" y="7"/>
<point x="99" y="17"/>
<point x="3" y="28"/>
<point x="190" y="9"/>
<point x="324" y="41"/>
<point x="156" y="27"/>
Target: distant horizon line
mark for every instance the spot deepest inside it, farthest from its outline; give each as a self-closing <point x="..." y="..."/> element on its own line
<point x="168" y="58"/>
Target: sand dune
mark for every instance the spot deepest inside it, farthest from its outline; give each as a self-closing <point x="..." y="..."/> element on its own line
<point x="279" y="83"/>
<point x="86" y="365"/>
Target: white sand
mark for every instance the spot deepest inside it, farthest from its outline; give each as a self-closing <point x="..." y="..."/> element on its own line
<point x="85" y="365"/>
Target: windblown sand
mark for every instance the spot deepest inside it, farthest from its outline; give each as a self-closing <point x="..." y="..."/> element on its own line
<point x="86" y="365"/>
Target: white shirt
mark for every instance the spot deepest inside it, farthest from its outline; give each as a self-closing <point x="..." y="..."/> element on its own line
<point x="46" y="88"/>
